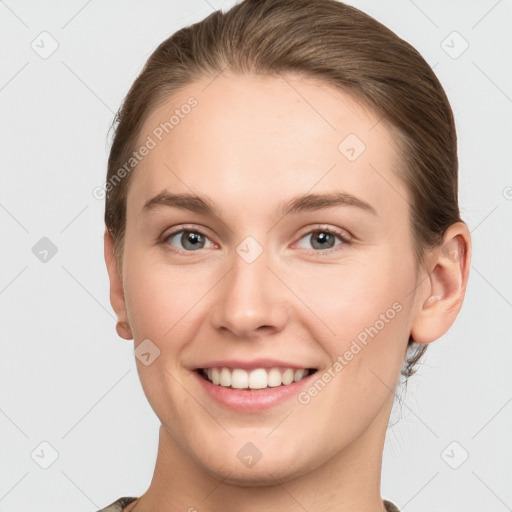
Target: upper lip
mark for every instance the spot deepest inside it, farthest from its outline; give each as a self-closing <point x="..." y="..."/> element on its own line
<point x="251" y="365"/>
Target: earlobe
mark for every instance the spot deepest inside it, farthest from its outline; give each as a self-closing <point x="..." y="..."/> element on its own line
<point x="117" y="299"/>
<point x="124" y="331"/>
<point x="443" y="297"/>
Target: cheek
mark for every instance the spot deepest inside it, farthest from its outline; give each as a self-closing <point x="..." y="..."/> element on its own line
<point x="364" y="308"/>
<point x="352" y="296"/>
<point x="161" y="298"/>
<point x="367" y="307"/>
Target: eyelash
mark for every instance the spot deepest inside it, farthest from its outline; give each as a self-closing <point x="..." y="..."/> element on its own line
<point x="344" y="238"/>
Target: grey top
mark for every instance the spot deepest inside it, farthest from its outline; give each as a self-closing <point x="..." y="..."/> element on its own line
<point x="118" y="505"/>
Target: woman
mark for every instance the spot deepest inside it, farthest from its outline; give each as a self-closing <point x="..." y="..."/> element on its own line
<point x="283" y="241"/>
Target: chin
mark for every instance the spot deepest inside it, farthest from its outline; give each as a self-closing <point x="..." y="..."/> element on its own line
<point x="261" y="475"/>
<point x="250" y="467"/>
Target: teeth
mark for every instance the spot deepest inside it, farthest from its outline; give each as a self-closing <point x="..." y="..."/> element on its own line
<point x="225" y="377"/>
<point x="239" y="379"/>
<point x="259" y="378"/>
<point x="287" y="376"/>
<point x="299" y="374"/>
<point x="274" y="378"/>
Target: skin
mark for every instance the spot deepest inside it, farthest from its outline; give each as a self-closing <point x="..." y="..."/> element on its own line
<point x="251" y="143"/>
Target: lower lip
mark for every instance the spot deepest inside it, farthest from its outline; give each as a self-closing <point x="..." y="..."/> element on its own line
<point x="253" y="400"/>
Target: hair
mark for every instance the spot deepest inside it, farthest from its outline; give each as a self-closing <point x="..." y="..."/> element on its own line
<point x="321" y="39"/>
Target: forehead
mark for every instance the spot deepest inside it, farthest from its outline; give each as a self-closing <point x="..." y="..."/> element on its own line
<point x="262" y="136"/>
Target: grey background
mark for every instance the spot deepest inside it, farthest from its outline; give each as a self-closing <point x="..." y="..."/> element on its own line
<point x="67" y="379"/>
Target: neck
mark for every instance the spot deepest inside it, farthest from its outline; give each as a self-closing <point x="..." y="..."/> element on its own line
<point x="349" y="481"/>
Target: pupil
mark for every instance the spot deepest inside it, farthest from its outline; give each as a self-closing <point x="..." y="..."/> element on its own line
<point x="192" y="240"/>
<point x="323" y="240"/>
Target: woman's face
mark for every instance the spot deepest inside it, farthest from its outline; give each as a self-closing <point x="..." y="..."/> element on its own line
<point x="275" y="238"/>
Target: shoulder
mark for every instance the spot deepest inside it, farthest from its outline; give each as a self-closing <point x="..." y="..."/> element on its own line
<point x="118" y="505"/>
<point x="390" y="507"/>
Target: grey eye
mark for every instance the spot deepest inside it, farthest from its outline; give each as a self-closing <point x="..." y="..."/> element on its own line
<point x="320" y="240"/>
<point x="189" y="240"/>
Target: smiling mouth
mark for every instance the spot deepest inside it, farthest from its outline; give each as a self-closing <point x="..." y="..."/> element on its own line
<point x="259" y="378"/>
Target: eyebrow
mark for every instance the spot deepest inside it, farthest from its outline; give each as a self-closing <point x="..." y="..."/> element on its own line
<point x="308" y="202"/>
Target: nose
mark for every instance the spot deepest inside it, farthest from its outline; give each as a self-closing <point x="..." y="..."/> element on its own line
<point x="250" y="300"/>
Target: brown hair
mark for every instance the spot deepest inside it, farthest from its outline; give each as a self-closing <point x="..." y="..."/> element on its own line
<point x="329" y="41"/>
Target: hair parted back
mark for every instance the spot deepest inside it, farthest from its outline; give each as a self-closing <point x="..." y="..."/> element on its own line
<point x="336" y="44"/>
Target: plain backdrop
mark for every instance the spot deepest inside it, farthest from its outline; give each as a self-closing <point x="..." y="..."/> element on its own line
<point x="70" y="397"/>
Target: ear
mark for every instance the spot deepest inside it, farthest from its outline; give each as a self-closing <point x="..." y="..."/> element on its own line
<point x="441" y="299"/>
<point x="116" y="288"/>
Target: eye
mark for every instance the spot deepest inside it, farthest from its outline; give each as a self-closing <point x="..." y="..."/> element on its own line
<point x="322" y="239"/>
<point x="187" y="240"/>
